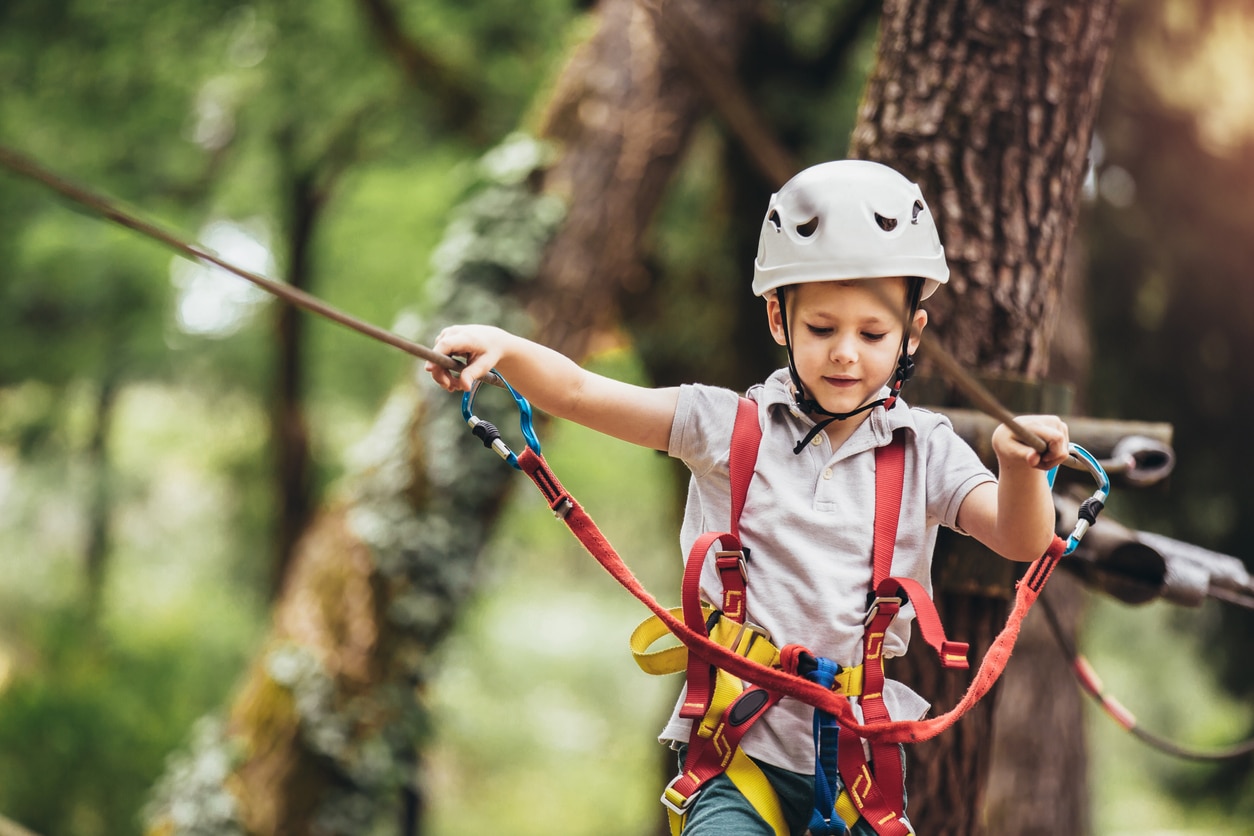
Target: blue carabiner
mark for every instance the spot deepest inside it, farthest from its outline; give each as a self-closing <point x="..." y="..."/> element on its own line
<point x="489" y="434"/>
<point x="1082" y="459"/>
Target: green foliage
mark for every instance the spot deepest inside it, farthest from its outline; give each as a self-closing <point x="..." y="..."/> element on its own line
<point x="83" y="734"/>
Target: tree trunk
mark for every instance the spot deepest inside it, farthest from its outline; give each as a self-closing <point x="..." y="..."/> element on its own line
<point x="990" y="108"/>
<point x="1036" y="789"/>
<point x="289" y="431"/>
<point x="323" y="734"/>
<point x="99" y="499"/>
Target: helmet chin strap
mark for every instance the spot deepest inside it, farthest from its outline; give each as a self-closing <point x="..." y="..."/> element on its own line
<point x="903" y="372"/>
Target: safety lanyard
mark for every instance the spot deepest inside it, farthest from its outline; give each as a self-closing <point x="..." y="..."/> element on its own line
<point x="581" y="525"/>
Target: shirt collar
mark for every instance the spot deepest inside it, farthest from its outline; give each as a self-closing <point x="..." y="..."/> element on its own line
<point x="776" y="393"/>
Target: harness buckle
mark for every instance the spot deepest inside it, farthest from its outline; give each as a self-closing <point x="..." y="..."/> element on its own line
<point x="724" y="559"/>
<point x="746" y="635"/>
<point x="875" y="608"/>
<point x="680" y="807"/>
<point x="742" y="640"/>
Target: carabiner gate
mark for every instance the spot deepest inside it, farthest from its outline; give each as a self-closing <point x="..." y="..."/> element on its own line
<point x="489" y="434"/>
<point x="1090" y="508"/>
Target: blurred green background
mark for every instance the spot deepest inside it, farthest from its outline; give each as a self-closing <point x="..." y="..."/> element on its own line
<point x="135" y="390"/>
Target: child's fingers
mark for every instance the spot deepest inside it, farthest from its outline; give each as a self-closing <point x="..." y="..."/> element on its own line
<point x="1054" y="433"/>
<point x="1047" y="428"/>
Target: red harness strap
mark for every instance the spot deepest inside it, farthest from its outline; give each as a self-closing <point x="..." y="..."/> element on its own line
<point x="730" y="560"/>
<point x="879" y="799"/>
<point x="876" y="788"/>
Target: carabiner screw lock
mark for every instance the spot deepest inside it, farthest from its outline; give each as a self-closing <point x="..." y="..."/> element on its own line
<point x="1091" y="507"/>
<point x="487" y="432"/>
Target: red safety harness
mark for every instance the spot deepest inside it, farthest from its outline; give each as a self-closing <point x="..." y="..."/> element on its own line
<point x="877" y="792"/>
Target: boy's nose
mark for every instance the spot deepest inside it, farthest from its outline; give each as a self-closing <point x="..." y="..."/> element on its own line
<point x="844" y="351"/>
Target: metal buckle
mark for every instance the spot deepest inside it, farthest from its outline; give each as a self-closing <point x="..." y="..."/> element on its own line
<point x="741" y="563"/>
<point x="752" y="629"/>
<point x="875" y="607"/>
<point x="677" y="809"/>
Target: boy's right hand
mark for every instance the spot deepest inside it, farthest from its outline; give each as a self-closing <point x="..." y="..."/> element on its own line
<point x="482" y="347"/>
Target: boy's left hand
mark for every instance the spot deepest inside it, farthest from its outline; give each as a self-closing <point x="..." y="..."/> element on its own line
<point x="1013" y="452"/>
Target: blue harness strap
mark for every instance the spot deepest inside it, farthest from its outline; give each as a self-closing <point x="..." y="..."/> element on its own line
<point x="823" y="819"/>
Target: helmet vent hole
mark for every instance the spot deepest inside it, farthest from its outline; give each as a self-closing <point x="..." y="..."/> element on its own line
<point x="914" y="213"/>
<point x="808" y="228"/>
<point x="886" y="224"/>
<point x="774" y="220"/>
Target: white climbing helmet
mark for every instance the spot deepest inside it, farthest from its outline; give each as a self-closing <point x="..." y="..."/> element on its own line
<point x="848" y="219"/>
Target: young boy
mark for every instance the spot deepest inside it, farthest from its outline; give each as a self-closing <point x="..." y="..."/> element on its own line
<point x="848" y="249"/>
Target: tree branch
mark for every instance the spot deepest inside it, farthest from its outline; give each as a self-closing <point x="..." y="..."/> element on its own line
<point x="461" y="107"/>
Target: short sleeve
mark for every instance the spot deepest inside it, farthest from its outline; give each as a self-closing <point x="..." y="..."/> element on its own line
<point x="953" y="471"/>
<point x="702" y="429"/>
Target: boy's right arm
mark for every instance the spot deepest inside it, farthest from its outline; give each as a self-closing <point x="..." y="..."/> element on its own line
<point x="553" y="382"/>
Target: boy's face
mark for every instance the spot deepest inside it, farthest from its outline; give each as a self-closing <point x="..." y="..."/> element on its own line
<point x="846" y="337"/>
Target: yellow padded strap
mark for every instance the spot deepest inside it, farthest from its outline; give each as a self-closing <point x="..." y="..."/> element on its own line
<point x="726" y="689"/>
<point x="748" y="642"/>
<point x="659" y="662"/>
<point x="745" y="641"/>
<point x="846" y="810"/>
<point x="849" y="682"/>
<point x="677" y="821"/>
<point x="748" y="777"/>
<point x="754" y="786"/>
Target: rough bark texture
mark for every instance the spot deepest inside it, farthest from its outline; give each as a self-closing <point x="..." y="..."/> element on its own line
<point x="990" y="107"/>
<point x="323" y="735"/>
<point x="623" y="113"/>
<point x="1038" y="784"/>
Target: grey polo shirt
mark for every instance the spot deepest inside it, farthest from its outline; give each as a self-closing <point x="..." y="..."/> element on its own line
<point x="808" y="521"/>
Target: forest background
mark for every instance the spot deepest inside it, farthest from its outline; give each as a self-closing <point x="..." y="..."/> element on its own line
<point x="147" y="508"/>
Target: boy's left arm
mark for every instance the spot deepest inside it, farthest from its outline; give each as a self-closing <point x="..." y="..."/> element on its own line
<point x="1015" y="516"/>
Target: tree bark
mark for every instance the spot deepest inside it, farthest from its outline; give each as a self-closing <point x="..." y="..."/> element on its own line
<point x="323" y="734"/>
<point x="990" y="107"/>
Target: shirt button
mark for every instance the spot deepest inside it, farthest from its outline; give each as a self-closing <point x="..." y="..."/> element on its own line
<point x="818" y="439"/>
<point x="827" y="474"/>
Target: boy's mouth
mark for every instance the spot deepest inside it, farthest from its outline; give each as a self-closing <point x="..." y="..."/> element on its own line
<point x="841" y="382"/>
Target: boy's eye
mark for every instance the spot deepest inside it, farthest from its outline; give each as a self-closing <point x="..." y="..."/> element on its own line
<point x="871" y="336"/>
<point x="819" y="330"/>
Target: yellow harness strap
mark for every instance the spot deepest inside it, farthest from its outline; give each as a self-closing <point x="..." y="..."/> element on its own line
<point x="754" y="786"/>
<point x="746" y="640"/>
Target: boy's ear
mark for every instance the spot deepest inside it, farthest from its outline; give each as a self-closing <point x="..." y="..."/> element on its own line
<point x="916" y="330"/>
<point x="775" y="318"/>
